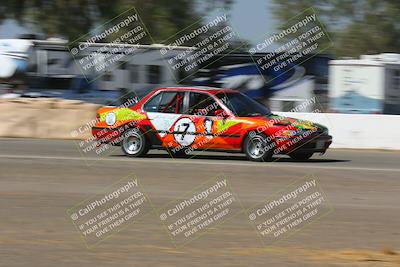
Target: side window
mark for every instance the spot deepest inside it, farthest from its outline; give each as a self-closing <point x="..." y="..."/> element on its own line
<point x="171" y="102"/>
<point x="153" y="103"/>
<point x="165" y="102"/>
<point x="202" y="104"/>
<point x="396" y="79"/>
<point x="134" y="73"/>
<point x="154" y="74"/>
<point x="108" y="77"/>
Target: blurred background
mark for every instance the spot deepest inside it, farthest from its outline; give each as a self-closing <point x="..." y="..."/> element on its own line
<point x="359" y="72"/>
<point x="49" y="160"/>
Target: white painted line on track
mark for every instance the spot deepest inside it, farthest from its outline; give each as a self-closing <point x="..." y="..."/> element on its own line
<point x="304" y="165"/>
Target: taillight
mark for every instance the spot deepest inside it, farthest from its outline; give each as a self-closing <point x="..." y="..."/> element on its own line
<point x="97" y="117"/>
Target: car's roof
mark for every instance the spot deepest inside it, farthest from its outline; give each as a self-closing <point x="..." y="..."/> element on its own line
<point x="210" y="90"/>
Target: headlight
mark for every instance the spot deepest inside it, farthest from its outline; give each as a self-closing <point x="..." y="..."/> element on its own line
<point x="110" y="118"/>
<point x="289" y="133"/>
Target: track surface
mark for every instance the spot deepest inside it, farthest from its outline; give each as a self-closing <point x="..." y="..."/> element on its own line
<point x="41" y="179"/>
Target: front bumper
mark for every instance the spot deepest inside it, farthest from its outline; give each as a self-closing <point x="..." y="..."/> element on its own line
<point x="315" y="144"/>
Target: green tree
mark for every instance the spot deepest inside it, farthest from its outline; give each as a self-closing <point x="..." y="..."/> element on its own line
<point x="356" y="26"/>
<point x="73" y="18"/>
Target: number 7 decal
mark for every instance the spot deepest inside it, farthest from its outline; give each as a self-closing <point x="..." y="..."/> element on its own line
<point x="187" y="125"/>
<point x="182" y="137"/>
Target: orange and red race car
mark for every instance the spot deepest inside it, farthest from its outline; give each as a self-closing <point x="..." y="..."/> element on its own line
<point x="184" y="119"/>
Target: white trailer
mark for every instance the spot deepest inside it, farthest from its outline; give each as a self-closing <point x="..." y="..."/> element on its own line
<point x="369" y="85"/>
<point x="48" y="69"/>
<point x="143" y="68"/>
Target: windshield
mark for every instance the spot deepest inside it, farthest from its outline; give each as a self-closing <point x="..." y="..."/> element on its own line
<point x="242" y="105"/>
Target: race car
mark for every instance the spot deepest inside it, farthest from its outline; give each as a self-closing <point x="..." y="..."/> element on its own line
<point x="187" y="119"/>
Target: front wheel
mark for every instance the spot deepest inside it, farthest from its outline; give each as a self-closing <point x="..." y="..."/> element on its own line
<point x="301" y="155"/>
<point x="257" y="147"/>
<point x="134" y="143"/>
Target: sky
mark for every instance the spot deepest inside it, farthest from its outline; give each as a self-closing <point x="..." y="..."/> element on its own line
<point x="251" y="19"/>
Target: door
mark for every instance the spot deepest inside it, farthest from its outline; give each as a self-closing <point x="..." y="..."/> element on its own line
<point x="214" y="130"/>
<point x="163" y="110"/>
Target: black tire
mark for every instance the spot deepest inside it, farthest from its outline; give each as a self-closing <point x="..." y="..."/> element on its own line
<point x="257" y="147"/>
<point x="301" y="155"/>
<point x="134" y="143"/>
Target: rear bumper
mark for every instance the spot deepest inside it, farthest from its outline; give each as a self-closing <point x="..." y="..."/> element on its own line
<point x="106" y="135"/>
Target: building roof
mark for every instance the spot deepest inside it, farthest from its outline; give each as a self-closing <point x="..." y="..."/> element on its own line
<point x="370" y="60"/>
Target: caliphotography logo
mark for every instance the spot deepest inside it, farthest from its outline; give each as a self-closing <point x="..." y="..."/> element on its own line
<point x="289" y="210"/>
<point x="109" y="45"/>
<point x="193" y="214"/>
<point x="118" y="206"/>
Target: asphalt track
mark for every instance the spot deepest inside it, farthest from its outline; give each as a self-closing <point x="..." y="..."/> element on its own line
<point x="41" y="179"/>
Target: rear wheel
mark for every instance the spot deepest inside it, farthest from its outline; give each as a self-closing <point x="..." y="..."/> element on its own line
<point x="257" y="147"/>
<point x="301" y="155"/>
<point x="134" y="143"/>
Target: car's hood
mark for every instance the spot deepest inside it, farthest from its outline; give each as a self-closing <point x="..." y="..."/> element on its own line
<point x="299" y="124"/>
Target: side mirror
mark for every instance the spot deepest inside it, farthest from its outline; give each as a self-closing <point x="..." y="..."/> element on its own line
<point x="220" y="113"/>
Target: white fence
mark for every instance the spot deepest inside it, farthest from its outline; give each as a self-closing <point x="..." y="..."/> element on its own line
<point x="357" y="130"/>
<point x="54" y="118"/>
